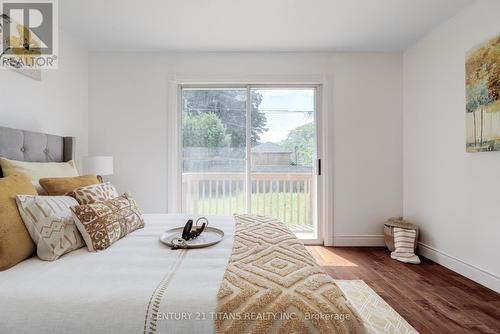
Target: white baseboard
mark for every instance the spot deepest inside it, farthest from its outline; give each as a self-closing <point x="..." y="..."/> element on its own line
<point x="358" y="241"/>
<point x="468" y="270"/>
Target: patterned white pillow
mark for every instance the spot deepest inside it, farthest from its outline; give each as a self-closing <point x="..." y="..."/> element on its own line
<point x="94" y="193"/>
<point x="50" y="224"/>
<point x="103" y="223"/>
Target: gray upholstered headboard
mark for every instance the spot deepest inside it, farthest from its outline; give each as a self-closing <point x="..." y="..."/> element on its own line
<point x="35" y="147"/>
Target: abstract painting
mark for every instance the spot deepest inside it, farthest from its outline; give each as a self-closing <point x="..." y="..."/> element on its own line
<point x="482" y="82"/>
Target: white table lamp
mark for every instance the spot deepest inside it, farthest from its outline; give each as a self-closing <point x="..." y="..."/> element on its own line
<point x="98" y="165"/>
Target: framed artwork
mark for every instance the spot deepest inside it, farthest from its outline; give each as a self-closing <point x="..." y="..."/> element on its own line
<point x="29" y="41"/>
<point x="482" y="84"/>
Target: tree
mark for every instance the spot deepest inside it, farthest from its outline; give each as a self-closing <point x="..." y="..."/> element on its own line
<point x="259" y="120"/>
<point x="301" y="141"/>
<point x="494" y="81"/>
<point x="483" y="66"/>
<point x="204" y="130"/>
<point x="477" y="97"/>
<point x="230" y="107"/>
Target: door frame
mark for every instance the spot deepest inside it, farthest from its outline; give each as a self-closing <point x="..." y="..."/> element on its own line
<point x="174" y="136"/>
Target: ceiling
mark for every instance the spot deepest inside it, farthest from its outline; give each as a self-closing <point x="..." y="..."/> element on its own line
<point x="253" y="25"/>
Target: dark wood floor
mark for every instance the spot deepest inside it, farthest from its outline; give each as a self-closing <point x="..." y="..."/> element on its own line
<point x="430" y="297"/>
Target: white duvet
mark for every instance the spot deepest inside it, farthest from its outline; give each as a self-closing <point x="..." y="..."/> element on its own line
<point x="119" y="290"/>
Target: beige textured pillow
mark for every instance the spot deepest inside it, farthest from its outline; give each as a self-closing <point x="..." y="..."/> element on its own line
<point x="37" y="170"/>
<point x="103" y="223"/>
<point x="50" y="223"/>
<point x="94" y="193"/>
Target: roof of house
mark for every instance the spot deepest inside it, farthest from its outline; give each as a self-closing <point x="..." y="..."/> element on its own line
<point x="270" y="148"/>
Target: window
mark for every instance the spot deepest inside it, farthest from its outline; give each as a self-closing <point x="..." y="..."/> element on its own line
<point x="251" y="150"/>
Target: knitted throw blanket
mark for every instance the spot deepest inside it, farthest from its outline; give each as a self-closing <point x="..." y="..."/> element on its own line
<point x="273" y="285"/>
<point x="404" y="243"/>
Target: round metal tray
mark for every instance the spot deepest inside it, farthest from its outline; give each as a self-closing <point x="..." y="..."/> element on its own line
<point x="209" y="237"/>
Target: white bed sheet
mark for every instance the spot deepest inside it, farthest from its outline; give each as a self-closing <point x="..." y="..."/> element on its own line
<point x="109" y="291"/>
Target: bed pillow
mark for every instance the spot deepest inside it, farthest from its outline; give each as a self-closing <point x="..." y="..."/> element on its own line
<point x="15" y="242"/>
<point x="50" y="223"/>
<point x="94" y="193"/>
<point x="103" y="223"/>
<point x="37" y="170"/>
<point x="58" y="186"/>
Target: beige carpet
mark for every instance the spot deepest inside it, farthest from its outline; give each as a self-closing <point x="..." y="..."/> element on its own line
<point x="377" y="315"/>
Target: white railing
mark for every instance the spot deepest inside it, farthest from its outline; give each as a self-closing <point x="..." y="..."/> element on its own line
<point x="286" y="196"/>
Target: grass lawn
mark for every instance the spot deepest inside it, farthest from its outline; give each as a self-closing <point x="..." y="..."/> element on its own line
<point x="288" y="207"/>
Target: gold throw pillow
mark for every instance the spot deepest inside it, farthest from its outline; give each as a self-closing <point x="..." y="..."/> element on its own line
<point x="15" y="241"/>
<point x="60" y="186"/>
<point x="103" y="223"/>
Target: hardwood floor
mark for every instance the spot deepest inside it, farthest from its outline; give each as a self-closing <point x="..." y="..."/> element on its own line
<point x="430" y="297"/>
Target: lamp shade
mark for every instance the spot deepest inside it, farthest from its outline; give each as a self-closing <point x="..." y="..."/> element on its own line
<point x="99" y="165"/>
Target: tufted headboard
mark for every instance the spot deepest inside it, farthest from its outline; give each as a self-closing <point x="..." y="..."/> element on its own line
<point x="35" y="147"/>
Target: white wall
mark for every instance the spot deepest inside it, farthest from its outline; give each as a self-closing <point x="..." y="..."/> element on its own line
<point x="453" y="195"/>
<point x="128" y="109"/>
<point x="367" y="123"/>
<point x="58" y="104"/>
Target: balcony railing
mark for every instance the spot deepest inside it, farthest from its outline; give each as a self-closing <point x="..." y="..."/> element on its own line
<point x="286" y="196"/>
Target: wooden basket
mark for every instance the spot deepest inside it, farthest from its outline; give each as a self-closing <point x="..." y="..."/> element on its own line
<point x="389" y="226"/>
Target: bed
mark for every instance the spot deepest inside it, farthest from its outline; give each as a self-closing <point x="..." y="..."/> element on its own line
<point x="258" y="279"/>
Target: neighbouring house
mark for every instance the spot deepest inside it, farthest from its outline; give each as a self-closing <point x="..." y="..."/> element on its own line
<point x="271" y="154"/>
<point x="266" y="157"/>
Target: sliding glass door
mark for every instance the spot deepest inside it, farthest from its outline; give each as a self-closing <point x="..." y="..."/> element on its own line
<point x="252" y="150"/>
<point x="282" y="153"/>
<point x="214" y="150"/>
